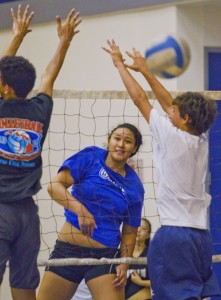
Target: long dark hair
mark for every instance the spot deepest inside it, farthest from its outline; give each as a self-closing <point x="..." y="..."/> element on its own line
<point x="148" y="224"/>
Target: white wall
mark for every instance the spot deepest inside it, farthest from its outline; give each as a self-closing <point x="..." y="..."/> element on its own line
<point x="190" y="25"/>
<point x="88" y="67"/>
<point x="200" y="26"/>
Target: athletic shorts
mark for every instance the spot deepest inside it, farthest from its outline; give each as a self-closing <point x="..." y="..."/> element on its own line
<point x="87" y="272"/>
<point x="20" y="242"/>
<point x="179" y="264"/>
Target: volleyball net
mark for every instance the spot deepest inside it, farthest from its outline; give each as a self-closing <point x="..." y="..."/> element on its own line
<point x="85" y="118"/>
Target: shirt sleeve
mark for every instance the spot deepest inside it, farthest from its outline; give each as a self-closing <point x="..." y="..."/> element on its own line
<point x="44" y="104"/>
<point x="79" y="163"/>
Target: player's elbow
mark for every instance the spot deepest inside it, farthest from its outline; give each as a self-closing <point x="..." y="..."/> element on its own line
<point x="50" y="189"/>
<point x="139" y="98"/>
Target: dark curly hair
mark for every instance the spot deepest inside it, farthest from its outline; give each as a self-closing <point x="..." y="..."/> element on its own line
<point x="18" y="73"/>
<point x="134" y="130"/>
<point x="201" y="111"/>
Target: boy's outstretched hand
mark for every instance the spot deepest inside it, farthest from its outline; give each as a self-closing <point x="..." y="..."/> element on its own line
<point x="68" y="30"/>
<point x="139" y="62"/>
<point x="21" y="21"/>
<point x="115" y="53"/>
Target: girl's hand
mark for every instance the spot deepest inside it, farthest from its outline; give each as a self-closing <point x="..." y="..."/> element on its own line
<point x="135" y="278"/>
<point x="121" y="276"/>
<point x="86" y="221"/>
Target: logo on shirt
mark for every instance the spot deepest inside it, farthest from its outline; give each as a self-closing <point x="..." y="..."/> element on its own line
<point x="104" y="175"/>
<point x="20" y="141"/>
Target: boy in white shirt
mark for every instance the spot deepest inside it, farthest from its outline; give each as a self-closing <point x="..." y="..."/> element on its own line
<point x="180" y="254"/>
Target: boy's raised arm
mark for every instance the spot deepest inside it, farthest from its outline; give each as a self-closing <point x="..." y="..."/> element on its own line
<point x="136" y="92"/>
<point x="163" y="96"/>
<point x="66" y="32"/>
<point x="139" y="65"/>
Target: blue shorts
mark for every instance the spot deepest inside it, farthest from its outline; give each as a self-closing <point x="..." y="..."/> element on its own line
<point x="20" y="242"/>
<point x="179" y="264"/>
<point x="77" y="273"/>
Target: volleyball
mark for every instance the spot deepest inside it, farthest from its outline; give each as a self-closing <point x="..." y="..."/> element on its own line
<point x="18" y="141"/>
<point x="169" y="57"/>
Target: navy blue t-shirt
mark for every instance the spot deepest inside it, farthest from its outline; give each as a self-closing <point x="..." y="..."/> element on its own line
<point x="23" y="127"/>
<point x="110" y="197"/>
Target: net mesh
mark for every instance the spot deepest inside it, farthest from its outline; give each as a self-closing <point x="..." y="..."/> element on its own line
<point x="85" y="118"/>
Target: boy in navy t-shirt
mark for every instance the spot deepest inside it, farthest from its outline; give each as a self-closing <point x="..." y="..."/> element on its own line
<point x="23" y="128"/>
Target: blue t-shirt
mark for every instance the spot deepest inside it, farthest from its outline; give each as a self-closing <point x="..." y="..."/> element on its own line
<point x="110" y="197"/>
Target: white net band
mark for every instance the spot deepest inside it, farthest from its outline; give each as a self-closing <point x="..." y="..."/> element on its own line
<point x="102" y="261"/>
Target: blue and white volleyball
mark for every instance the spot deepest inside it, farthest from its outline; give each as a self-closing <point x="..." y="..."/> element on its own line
<point x="18" y="141"/>
<point x="169" y="57"/>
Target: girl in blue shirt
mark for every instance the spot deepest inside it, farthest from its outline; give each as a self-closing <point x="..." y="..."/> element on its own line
<point x="106" y="193"/>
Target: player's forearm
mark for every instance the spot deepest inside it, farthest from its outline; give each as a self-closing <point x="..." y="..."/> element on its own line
<point x="128" y="240"/>
<point x="13" y="45"/>
<point x="135" y="91"/>
<point x="163" y="96"/>
<point x="146" y="283"/>
<point x="54" y="66"/>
